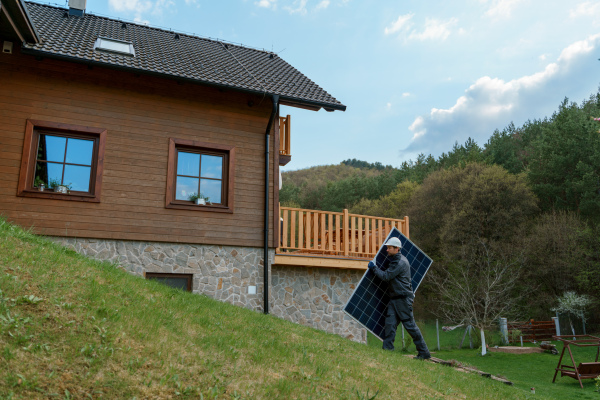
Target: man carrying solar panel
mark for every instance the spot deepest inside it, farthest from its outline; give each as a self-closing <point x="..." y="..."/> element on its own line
<point x="399" y="309"/>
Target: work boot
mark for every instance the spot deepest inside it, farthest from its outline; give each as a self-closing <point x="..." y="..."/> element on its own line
<point x="423" y="357"/>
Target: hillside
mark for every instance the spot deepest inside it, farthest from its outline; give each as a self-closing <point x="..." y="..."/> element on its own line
<point x="75" y="328"/>
<point x="316" y="177"/>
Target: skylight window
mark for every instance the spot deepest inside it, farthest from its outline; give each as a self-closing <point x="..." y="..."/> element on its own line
<point x="115" y="46"/>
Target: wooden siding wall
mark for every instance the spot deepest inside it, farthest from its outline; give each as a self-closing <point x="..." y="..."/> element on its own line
<point x="140" y="113"/>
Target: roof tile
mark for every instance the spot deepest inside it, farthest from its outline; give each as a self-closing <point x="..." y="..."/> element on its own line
<point x="188" y="57"/>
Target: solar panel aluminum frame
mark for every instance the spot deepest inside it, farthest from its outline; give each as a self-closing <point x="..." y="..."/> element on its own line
<point x="391" y="234"/>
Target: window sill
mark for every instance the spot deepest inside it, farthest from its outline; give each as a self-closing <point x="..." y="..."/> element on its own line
<point x="47" y="194"/>
<point x="206" y="207"/>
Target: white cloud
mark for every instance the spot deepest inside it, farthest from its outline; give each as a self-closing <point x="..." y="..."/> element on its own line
<point x="585" y="9"/>
<point x="502" y="8"/>
<point x="322" y="5"/>
<point x="138" y="6"/>
<point x="492" y="103"/>
<point x="402" y="23"/>
<point x="267" y="3"/>
<point x="434" y="30"/>
<point x="405" y="94"/>
<point x="299" y="7"/>
<point x="139" y="20"/>
<point x="388" y="106"/>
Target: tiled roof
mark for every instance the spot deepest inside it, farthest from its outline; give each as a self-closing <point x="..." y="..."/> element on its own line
<point x="181" y="56"/>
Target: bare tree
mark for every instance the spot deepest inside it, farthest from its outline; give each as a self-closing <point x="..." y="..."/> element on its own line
<point x="479" y="287"/>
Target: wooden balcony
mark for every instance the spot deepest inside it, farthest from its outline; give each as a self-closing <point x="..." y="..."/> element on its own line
<point x="285" y="156"/>
<point x="332" y="239"/>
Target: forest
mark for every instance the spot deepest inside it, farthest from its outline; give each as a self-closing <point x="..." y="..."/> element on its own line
<point x="513" y="226"/>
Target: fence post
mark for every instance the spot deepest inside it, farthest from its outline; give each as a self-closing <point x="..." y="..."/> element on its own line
<point x="504" y="330"/>
<point x="556" y="325"/>
<point x="437" y="330"/>
<point x="346" y="231"/>
<point x="403" y="342"/>
<point x="470" y="338"/>
<point x="483" y="349"/>
<point x="521" y="340"/>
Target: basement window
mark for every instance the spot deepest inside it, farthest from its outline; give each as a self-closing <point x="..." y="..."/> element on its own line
<point x="114" y="46"/>
<point x="176" y="281"/>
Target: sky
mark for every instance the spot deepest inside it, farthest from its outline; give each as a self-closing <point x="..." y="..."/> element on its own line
<point x="416" y="76"/>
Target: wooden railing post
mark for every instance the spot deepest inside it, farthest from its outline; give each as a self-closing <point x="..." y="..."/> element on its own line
<point x="346" y="231"/>
<point x="406" y="230"/>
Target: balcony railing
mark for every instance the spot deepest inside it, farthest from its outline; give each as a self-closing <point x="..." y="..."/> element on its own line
<point x="334" y="234"/>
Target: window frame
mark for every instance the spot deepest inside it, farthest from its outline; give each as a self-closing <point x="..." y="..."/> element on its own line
<point x="33" y="129"/>
<point x="190" y="278"/>
<point x="98" y="46"/>
<point x="228" y="175"/>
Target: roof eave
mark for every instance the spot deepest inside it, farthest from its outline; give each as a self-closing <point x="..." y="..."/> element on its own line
<point x="284" y="100"/>
<point x="19" y="16"/>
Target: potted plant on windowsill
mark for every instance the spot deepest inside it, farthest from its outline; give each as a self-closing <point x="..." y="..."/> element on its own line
<point x="39" y="183"/>
<point x="198" y="199"/>
<point x="58" y="187"/>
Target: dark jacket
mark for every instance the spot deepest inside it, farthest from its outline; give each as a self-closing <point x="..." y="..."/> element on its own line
<point x="398" y="276"/>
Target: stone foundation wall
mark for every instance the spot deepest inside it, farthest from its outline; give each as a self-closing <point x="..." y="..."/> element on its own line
<point x="315" y="297"/>
<point x="221" y="272"/>
<point x="308" y="296"/>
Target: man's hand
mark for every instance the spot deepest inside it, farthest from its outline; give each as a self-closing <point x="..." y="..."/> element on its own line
<point x="372" y="265"/>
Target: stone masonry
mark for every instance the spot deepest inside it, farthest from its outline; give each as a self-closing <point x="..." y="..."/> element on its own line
<point x="309" y="296"/>
<point x="221" y="272"/>
<point x="315" y="297"/>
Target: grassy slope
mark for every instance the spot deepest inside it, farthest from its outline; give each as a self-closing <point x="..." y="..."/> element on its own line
<point x="75" y="328"/>
<point x="524" y="370"/>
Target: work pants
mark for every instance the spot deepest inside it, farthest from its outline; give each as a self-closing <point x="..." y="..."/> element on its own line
<point x="401" y="311"/>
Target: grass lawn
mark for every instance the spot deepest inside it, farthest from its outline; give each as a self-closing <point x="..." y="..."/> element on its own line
<point x="73" y="328"/>
<point x="524" y="370"/>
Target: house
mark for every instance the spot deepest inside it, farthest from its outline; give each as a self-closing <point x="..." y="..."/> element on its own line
<point x="109" y="131"/>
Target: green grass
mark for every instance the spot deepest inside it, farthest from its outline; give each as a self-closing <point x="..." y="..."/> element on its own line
<point x="73" y="328"/>
<point x="524" y="370"/>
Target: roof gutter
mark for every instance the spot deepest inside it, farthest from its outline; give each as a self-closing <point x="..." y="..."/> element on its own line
<point x="289" y="101"/>
<point x="274" y="113"/>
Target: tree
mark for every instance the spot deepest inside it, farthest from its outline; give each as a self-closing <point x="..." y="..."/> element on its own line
<point x="392" y="205"/>
<point x="564" y="167"/>
<point x="466" y="204"/>
<point x="555" y="255"/>
<point x="574" y="306"/>
<point x="469" y="219"/>
<point x="479" y="288"/>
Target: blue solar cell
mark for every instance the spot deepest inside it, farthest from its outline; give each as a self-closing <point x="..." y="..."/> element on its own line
<point x="361" y="290"/>
<point x="350" y="308"/>
<point x="368" y="303"/>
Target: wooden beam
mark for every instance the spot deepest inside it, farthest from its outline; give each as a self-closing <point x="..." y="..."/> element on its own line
<point x="319" y="262"/>
<point x="12" y="23"/>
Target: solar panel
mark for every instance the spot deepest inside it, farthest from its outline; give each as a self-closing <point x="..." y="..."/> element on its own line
<point x="368" y="303"/>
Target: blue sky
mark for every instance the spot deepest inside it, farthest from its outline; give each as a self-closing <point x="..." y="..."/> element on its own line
<point x="417" y="76"/>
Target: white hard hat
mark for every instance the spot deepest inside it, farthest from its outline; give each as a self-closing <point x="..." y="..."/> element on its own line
<point x="394" y="242"/>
